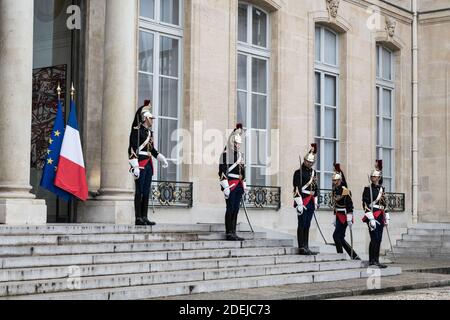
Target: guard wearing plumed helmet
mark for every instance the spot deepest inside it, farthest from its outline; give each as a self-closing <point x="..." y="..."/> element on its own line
<point x="306" y="193"/>
<point x="140" y="151"/>
<point x="232" y="180"/>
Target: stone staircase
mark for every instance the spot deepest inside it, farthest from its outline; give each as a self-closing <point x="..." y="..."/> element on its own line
<point x="106" y="262"/>
<point x="425" y="240"/>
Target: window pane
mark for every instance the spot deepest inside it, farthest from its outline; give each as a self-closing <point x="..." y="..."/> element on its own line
<point x="258" y="147"/>
<point x="328" y="183"/>
<point x="387" y="165"/>
<point x="259" y="28"/>
<point x="170" y="11"/>
<point x="330" y="123"/>
<point x="378" y="101"/>
<point x="378" y="61"/>
<point x="167" y="144"/>
<point x="387" y="135"/>
<point x="242" y="108"/>
<point x="330" y="155"/>
<point x="387" y="103"/>
<point x="259" y="75"/>
<point x="318" y="121"/>
<point x="242" y="24"/>
<point x="145" y="88"/>
<point x="242" y="72"/>
<point x="169" y="57"/>
<point x="258" y="177"/>
<point x="168" y="174"/>
<point x="330" y="91"/>
<point x="259" y="112"/>
<point x="146" y="45"/>
<point x="318" y="88"/>
<point x="378" y="131"/>
<point x="317" y="164"/>
<point x="169" y="97"/>
<point x="147" y="9"/>
<point x="330" y="48"/>
<point x="318" y="43"/>
<point x="387" y="73"/>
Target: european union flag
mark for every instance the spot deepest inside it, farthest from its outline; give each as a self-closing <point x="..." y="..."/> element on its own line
<point x="53" y="151"/>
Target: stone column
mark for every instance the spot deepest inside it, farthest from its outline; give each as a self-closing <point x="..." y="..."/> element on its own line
<point x="17" y="204"/>
<point x="115" y="201"/>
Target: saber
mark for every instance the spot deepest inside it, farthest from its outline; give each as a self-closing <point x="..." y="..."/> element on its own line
<point x="246" y="214"/>
<point x="390" y="242"/>
<point x="321" y="233"/>
<point x="153" y="203"/>
<point x="351" y="240"/>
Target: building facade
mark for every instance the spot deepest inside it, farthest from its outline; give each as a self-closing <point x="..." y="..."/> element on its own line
<point x="364" y="79"/>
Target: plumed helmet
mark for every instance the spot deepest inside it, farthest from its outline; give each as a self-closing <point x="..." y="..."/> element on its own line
<point x="378" y="172"/>
<point x="312" y="154"/>
<point x="146" y="112"/>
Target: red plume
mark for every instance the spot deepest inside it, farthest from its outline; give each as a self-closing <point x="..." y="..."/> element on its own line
<point x="147" y="103"/>
<point x="239" y="126"/>
<point x="314" y="148"/>
<point x="379" y="165"/>
<point x="337" y="167"/>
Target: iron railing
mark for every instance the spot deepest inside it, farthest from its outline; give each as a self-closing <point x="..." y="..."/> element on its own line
<point x="263" y="197"/>
<point x="172" y="194"/>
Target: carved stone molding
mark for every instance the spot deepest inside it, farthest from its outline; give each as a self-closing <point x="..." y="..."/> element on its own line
<point x="333" y="8"/>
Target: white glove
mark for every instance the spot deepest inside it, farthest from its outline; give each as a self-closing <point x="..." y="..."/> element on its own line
<point x="387" y="218"/>
<point x="349" y="219"/>
<point x="226" y="188"/>
<point x="163" y="159"/>
<point x="316" y="203"/>
<point x="300" y="206"/>
<point x="246" y="189"/>
<point x="134" y="163"/>
<point x="373" y="224"/>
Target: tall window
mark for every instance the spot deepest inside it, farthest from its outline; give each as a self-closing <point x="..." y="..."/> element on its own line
<point x="326" y="102"/>
<point x="385" y="114"/>
<point x="160" y="67"/>
<point x="253" y="88"/>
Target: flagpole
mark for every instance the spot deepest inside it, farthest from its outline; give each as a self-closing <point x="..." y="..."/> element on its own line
<point x="71" y="203"/>
<point x="57" y="197"/>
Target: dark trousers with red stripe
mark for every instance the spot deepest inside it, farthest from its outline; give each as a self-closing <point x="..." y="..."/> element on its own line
<point x="142" y="194"/>
<point x="339" y="238"/>
<point x="233" y="206"/>
<point x="376" y="236"/>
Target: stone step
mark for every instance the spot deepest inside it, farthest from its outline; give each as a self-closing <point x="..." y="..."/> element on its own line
<point x="421" y="251"/>
<point x="88" y="259"/>
<point x="110" y="228"/>
<point x="428" y="232"/>
<point x="142" y="279"/>
<point x="42" y="250"/>
<point x="26" y="274"/>
<point x="192" y="287"/>
<point x="420" y="244"/>
<point x="439" y="226"/>
<point x="426" y="238"/>
<point x="118" y="238"/>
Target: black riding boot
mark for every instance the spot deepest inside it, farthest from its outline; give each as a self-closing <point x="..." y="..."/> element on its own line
<point x="144" y="209"/>
<point x="138" y="210"/>
<point x="312" y="253"/>
<point x="377" y="257"/>
<point x="372" y="257"/>
<point x="229" y="227"/>
<point x="301" y="242"/>
<point x="234" y="227"/>
<point x="348" y="249"/>
<point x="338" y="243"/>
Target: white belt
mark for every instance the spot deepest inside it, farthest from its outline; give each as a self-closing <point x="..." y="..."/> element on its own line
<point x="144" y="153"/>
<point x="308" y="192"/>
<point x="236" y="176"/>
<point x="341" y="210"/>
<point x="378" y="207"/>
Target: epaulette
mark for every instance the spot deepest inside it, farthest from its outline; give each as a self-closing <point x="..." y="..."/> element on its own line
<point x="346" y="192"/>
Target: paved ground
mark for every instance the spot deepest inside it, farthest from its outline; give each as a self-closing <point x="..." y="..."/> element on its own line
<point x="433" y="277"/>
<point x="423" y="294"/>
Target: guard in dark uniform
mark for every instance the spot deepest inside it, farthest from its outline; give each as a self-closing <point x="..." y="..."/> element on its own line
<point x="376" y="216"/>
<point x="343" y="210"/>
<point x="232" y="181"/>
<point x="306" y="193"/>
<point x="140" y="152"/>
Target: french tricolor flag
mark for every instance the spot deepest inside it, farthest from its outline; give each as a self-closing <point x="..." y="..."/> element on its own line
<point x="71" y="172"/>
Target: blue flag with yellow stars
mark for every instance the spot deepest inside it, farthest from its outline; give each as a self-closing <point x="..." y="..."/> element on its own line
<point x="53" y="151"/>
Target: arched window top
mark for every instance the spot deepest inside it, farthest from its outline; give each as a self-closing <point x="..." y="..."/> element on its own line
<point x="326" y="46"/>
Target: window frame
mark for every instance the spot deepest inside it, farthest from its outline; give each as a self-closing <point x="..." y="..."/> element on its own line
<point x="251" y="52"/>
<point x="160" y="30"/>
<point x="326" y="69"/>
<point x="157" y="18"/>
<point x="382" y="85"/>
